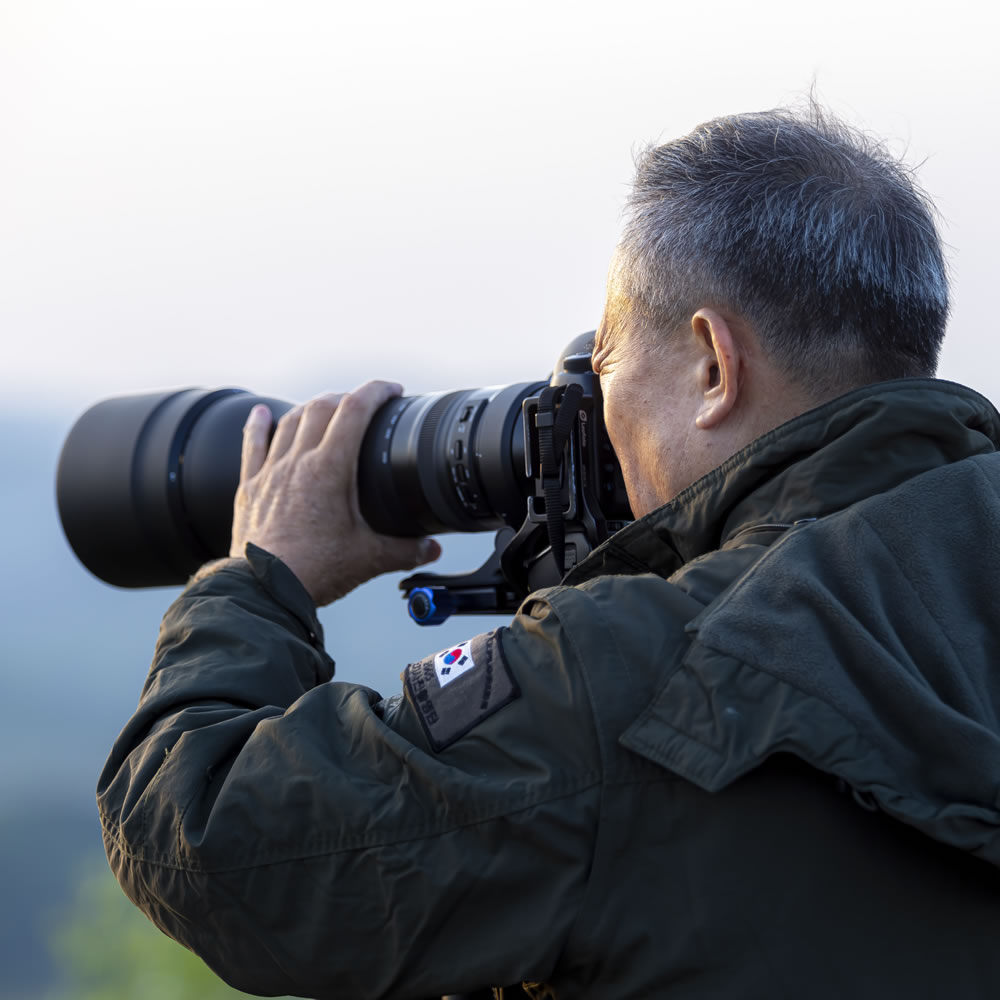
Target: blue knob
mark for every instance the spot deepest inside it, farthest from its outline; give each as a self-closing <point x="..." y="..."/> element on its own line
<point x="430" y="605"/>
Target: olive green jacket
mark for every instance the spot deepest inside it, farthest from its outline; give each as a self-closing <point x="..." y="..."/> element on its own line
<point x="749" y="748"/>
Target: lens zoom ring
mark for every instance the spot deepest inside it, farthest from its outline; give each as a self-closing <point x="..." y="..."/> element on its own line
<point x="428" y="429"/>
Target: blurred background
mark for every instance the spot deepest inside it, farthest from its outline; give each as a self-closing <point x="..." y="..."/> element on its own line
<point x="294" y="197"/>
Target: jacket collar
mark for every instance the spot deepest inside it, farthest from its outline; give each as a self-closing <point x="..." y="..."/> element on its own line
<point x="863" y="443"/>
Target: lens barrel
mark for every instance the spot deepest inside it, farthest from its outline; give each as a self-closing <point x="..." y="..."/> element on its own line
<point x="446" y="462"/>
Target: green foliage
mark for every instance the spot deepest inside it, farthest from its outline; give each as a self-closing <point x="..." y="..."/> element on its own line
<point x="108" y="950"/>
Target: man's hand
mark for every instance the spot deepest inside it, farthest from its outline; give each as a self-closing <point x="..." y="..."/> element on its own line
<point x="299" y="499"/>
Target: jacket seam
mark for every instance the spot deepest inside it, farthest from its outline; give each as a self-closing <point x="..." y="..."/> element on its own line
<point x="869" y="747"/>
<point x="577" y="930"/>
<point x="112" y="831"/>
<point x="859" y="732"/>
<point x="763" y="670"/>
<point x="570" y="638"/>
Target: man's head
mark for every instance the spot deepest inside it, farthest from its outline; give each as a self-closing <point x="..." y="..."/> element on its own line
<point x="770" y="262"/>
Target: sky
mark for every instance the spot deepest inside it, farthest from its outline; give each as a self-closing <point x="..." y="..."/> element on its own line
<point x="293" y="197"/>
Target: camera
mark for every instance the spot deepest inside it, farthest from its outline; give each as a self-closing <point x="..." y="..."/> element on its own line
<point x="145" y="483"/>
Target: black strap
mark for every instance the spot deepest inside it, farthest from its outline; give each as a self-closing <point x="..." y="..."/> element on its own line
<point x="557" y="410"/>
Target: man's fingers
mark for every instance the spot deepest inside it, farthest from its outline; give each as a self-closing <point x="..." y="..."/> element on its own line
<point x="316" y="416"/>
<point x="255" y="432"/>
<point x="285" y="434"/>
<point x="342" y="440"/>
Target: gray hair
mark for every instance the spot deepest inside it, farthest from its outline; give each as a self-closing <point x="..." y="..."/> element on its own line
<point x="810" y="230"/>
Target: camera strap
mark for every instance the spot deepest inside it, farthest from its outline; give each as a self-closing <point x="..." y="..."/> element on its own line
<point x="557" y="410"/>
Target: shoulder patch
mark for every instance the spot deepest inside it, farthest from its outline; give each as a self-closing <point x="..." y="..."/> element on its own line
<point x="455" y="690"/>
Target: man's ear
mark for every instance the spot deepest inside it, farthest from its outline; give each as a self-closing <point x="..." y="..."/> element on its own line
<point x="718" y="368"/>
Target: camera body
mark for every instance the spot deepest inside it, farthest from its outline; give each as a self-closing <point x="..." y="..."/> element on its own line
<point x="145" y="483"/>
<point x="566" y="490"/>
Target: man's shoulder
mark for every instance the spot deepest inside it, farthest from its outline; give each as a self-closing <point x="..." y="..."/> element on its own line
<point x="633" y="612"/>
<point x="614" y="635"/>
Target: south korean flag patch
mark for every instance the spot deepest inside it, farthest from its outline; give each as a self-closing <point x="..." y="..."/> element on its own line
<point x="452" y="663"/>
<point x="455" y="690"/>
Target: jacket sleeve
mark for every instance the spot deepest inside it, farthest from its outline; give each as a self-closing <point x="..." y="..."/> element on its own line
<point x="304" y="836"/>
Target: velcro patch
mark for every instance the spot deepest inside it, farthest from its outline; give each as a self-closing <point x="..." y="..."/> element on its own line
<point x="458" y="688"/>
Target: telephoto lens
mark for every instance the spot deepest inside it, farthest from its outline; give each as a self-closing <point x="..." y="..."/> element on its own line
<point x="145" y="483"/>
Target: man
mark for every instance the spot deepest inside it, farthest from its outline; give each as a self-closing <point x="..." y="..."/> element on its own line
<point x="749" y="748"/>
